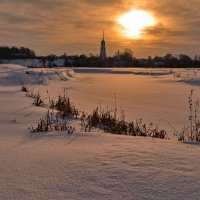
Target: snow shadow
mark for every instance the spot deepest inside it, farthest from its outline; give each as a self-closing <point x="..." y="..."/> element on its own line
<point x="47" y="136"/>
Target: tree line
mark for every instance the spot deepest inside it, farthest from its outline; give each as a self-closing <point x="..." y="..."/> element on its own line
<point x="125" y="58"/>
<point x="16" y="53"/>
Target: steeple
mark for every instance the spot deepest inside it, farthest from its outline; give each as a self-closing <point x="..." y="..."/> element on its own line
<point x="103" y="48"/>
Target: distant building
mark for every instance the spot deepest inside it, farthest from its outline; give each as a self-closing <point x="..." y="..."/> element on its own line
<point x="103" y="48"/>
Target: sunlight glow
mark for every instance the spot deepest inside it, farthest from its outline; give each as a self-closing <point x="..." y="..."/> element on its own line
<point x="135" y="21"/>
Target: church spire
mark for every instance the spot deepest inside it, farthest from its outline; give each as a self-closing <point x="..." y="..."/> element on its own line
<point x="103" y="48"/>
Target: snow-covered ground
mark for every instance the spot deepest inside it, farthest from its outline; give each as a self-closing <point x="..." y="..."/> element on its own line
<point x="96" y="165"/>
<point x="60" y="62"/>
<point x="156" y="95"/>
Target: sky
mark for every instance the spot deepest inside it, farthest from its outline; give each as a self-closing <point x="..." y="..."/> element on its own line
<point x="75" y="26"/>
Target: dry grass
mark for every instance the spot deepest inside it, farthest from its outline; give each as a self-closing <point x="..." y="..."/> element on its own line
<point x="192" y="131"/>
<point x="107" y="122"/>
<point x="52" y="122"/>
<point x="104" y="120"/>
<point x="38" y="101"/>
<point x="64" y="105"/>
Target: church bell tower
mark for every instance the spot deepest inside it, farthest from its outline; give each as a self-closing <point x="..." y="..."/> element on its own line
<point x="103" y="48"/>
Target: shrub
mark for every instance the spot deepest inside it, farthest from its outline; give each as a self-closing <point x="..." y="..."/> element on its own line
<point x="64" y="105"/>
<point x="192" y="131"/>
<point x="38" y="101"/>
<point x="52" y="122"/>
<point x="107" y="122"/>
<point x="37" y="98"/>
<point x="104" y="120"/>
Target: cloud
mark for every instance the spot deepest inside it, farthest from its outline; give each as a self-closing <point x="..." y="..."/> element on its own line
<point x="76" y="26"/>
<point x="12" y="18"/>
<point x="103" y="2"/>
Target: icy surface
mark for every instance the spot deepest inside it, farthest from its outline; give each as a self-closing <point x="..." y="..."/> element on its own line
<point x="93" y="165"/>
<point x="156" y="95"/>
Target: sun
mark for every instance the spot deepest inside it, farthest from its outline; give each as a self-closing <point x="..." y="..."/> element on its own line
<point x="134" y="22"/>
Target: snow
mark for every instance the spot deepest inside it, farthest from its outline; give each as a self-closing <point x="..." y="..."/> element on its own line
<point x="60" y="62"/>
<point x="162" y="99"/>
<point x="19" y="75"/>
<point x="93" y="165"/>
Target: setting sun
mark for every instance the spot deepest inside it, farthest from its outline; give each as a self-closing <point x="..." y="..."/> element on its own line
<point x="135" y="21"/>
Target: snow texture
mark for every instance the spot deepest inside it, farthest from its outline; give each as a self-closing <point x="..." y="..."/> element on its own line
<point x="92" y="165"/>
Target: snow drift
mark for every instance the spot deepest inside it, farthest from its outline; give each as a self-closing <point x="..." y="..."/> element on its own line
<point x="19" y="75"/>
<point x="83" y="165"/>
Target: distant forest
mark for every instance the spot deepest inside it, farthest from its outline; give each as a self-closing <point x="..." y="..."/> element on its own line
<point x="14" y="53"/>
<point x="120" y="59"/>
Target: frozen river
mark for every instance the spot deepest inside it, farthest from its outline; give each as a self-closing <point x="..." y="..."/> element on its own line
<point x="152" y="94"/>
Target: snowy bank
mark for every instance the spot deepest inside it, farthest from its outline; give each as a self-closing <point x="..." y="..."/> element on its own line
<point x="84" y="165"/>
<point x="19" y="75"/>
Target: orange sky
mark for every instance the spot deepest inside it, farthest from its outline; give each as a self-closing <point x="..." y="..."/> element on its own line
<point x="75" y="26"/>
